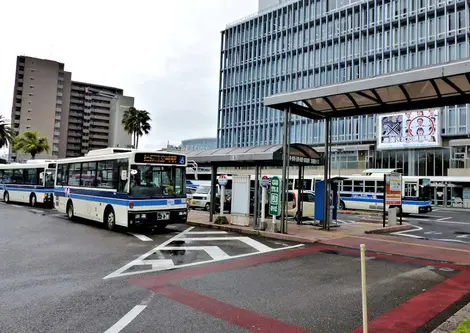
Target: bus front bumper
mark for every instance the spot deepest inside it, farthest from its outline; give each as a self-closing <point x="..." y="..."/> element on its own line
<point x="153" y="218"/>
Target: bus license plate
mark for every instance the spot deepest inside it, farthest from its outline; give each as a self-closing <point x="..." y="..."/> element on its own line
<point x="163" y="216"/>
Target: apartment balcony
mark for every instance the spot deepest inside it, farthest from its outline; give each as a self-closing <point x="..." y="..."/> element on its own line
<point x="74" y="147"/>
<point x="75" y="114"/>
<point x="75" y="134"/>
<point x="75" y="121"/>
<point x="76" y="107"/>
<point x="77" y="101"/>
<point x="100" y="130"/>
<point x="98" y="136"/>
<point x="99" y="117"/>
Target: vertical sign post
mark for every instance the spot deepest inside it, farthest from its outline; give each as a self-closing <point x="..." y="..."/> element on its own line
<point x="274" y="196"/>
<point x="384" y="205"/>
<point x="222" y="182"/>
<point x="264" y="186"/>
<point x="393" y="195"/>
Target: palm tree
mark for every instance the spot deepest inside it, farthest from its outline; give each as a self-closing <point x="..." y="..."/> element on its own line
<point x="137" y="123"/>
<point x="6" y="133"/>
<point x="31" y="142"/>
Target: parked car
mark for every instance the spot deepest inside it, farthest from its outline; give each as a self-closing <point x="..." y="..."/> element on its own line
<point x="308" y="204"/>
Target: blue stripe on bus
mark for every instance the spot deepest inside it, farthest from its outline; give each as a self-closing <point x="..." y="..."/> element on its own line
<point x="112" y="198"/>
<point x="375" y="200"/>
<point x="23" y="188"/>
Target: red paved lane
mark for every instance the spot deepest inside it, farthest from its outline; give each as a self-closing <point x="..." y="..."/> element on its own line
<point x="425" y="249"/>
<point x="406" y="318"/>
<point x="416" y="312"/>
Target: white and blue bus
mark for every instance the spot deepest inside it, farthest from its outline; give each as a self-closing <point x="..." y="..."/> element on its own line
<point x="31" y="182"/>
<point x="123" y="188"/>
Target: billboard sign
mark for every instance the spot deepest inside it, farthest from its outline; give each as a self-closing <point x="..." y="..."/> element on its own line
<point x="393" y="189"/>
<point x="409" y="129"/>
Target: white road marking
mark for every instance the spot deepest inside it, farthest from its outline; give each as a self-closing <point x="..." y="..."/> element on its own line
<point x="453" y="222"/>
<point x="120" y="271"/>
<point x="142" y="237"/>
<point x="247" y="240"/>
<point x="443" y="219"/>
<point x="207" y="233"/>
<point x="463" y="236"/>
<point x="124" y="321"/>
<point x="17" y="206"/>
<point x="214" y="251"/>
<point x="145" y="255"/>
<point x="404" y="233"/>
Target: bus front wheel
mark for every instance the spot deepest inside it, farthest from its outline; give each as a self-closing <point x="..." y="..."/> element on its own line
<point x="32" y="200"/>
<point x="110" y="218"/>
<point x="70" y="213"/>
<point x="6" y="197"/>
<point x="341" y="205"/>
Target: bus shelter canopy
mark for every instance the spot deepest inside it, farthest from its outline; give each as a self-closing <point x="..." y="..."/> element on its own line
<point x="422" y="88"/>
<point x="272" y="155"/>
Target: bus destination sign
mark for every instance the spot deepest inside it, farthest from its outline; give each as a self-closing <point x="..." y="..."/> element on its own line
<point x="152" y="158"/>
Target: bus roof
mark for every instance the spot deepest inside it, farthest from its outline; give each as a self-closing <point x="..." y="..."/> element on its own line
<point x="113" y="156"/>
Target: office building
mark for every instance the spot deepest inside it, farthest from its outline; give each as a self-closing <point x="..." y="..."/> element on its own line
<point x="291" y="45"/>
<point x="74" y="116"/>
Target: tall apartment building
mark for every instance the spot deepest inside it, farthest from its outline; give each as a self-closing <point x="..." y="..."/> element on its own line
<point x="74" y="116"/>
<point x="40" y="101"/>
<point x="297" y="44"/>
<point x="95" y="118"/>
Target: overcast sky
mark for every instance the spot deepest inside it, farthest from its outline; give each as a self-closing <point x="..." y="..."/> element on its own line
<point x="165" y="53"/>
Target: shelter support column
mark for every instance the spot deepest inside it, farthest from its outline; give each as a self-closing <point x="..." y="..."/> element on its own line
<point x="326" y="161"/>
<point x="284" y="184"/>
<point x="213" y="192"/>
<point x="256" y="199"/>
<point x="300" y="206"/>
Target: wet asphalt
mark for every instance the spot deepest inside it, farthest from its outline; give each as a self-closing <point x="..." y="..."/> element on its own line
<point x="52" y="274"/>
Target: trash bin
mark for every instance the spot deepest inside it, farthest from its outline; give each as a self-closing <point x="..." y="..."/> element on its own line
<point x="392" y="216"/>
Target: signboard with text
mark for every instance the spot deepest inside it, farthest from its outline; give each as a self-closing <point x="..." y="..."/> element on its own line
<point x="155" y="158"/>
<point x="393" y="189"/>
<point x="274" y="196"/>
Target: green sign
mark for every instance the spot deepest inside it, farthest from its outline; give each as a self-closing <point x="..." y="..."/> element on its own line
<point x="274" y="196"/>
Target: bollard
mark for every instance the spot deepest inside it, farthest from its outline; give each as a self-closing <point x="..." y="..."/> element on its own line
<point x="364" y="288"/>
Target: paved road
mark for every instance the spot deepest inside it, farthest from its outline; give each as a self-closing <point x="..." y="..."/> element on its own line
<point x="63" y="276"/>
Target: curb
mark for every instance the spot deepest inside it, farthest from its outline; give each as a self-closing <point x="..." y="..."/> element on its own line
<point x="358" y="212"/>
<point x="259" y="233"/>
<point x="387" y="230"/>
<point x="453" y="322"/>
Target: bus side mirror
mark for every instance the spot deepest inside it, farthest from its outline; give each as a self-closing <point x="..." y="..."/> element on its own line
<point x="124" y="175"/>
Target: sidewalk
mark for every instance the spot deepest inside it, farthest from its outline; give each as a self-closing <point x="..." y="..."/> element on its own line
<point x="351" y="236"/>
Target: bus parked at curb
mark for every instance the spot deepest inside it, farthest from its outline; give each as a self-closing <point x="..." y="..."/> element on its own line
<point x="124" y="188"/>
<point x="31" y="182"/>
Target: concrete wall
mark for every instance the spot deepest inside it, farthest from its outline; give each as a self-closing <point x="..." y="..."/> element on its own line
<point x="64" y="121"/>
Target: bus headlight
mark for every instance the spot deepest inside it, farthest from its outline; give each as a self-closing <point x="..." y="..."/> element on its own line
<point x="143" y="216"/>
<point x="137" y="216"/>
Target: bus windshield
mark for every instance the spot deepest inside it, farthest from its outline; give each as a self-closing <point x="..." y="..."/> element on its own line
<point x="157" y="181"/>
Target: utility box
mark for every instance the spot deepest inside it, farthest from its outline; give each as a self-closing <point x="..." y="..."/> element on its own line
<point x="392" y="216"/>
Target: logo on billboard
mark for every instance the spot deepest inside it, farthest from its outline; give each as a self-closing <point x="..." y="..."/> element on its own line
<point x="411" y="129"/>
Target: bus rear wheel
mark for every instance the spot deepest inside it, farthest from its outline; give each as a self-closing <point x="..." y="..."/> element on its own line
<point x="70" y="213"/>
<point x="32" y="200"/>
<point x="110" y="219"/>
<point x="6" y="197"/>
<point x="341" y="205"/>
